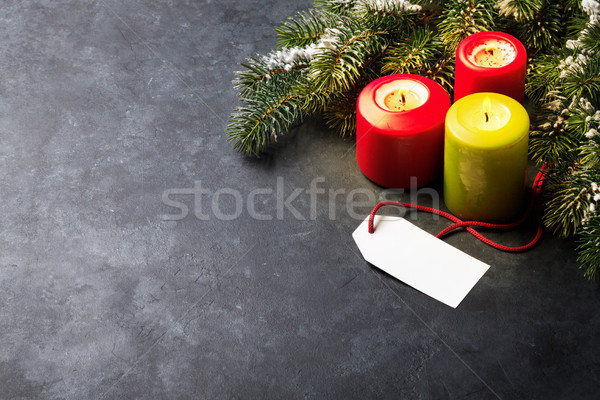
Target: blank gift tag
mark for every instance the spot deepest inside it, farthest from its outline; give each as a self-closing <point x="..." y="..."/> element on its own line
<point x="419" y="259"/>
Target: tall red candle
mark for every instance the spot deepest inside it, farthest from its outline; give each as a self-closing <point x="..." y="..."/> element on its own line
<point x="400" y="130"/>
<point x="490" y="62"/>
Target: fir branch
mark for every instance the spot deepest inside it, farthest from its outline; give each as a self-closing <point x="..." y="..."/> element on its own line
<point x="393" y="16"/>
<point x="546" y="146"/>
<point x="340" y="7"/>
<point x="269" y="112"/>
<point x="583" y="78"/>
<point x="586" y="120"/>
<point x="519" y="10"/>
<point x="543" y="29"/>
<point x="584" y="116"/>
<point x="274" y="67"/>
<point x="574" y="18"/>
<point x="590" y="151"/>
<point x="572" y="6"/>
<point x="542" y="77"/>
<point x="341" y="114"/>
<point x="460" y="19"/>
<point x="415" y="54"/>
<point x="306" y="28"/>
<point x="337" y="108"/>
<point x="549" y="147"/>
<point x="421" y="53"/>
<point x="589" y="248"/>
<point x="443" y="72"/>
<point x="590" y="39"/>
<point x="549" y="142"/>
<point x="314" y="101"/>
<point x="339" y="65"/>
<point x="589" y="233"/>
<point x="346" y="50"/>
<point x="569" y="202"/>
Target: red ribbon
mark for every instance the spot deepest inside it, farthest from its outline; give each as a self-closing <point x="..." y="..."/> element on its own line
<point x="468" y="225"/>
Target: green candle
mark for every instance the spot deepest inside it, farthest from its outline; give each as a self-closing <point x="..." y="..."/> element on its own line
<point x="485" y="157"/>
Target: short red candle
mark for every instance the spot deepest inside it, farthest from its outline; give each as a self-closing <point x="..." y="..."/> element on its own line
<point x="400" y="130"/>
<point x="490" y="62"/>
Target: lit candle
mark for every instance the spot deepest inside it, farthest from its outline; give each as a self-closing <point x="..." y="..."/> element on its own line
<point x="485" y="157"/>
<point x="402" y="100"/>
<point x="400" y="130"/>
<point x="490" y="62"/>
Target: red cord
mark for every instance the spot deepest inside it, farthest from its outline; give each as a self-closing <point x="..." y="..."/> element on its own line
<point x="458" y="223"/>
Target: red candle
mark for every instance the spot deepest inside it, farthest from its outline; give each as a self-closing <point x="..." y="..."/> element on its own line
<point x="490" y="62"/>
<point x="400" y="130"/>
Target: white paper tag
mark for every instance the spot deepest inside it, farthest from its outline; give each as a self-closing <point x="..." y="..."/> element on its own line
<point x="419" y="259"/>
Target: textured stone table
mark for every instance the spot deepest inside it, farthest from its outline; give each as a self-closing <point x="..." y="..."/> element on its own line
<point x="115" y="284"/>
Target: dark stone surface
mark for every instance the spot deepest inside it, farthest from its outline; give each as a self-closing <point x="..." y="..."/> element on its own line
<point x="105" y="106"/>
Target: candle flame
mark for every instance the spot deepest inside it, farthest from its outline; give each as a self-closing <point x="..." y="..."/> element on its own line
<point x="402" y="93"/>
<point x="487" y="105"/>
<point x="491" y="48"/>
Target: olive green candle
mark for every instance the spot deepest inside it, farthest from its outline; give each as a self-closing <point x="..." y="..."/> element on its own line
<point x="485" y="157"/>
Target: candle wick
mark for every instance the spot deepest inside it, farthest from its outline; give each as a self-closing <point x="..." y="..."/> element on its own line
<point x="491" y="51"/>
<point x="487" y="117"/>
<point x="403" y="98"/>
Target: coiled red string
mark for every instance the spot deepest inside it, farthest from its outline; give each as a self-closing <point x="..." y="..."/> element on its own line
<point x="468" y="225"/>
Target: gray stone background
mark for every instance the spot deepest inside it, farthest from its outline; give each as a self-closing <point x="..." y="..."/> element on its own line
<point x="105" y="106"/>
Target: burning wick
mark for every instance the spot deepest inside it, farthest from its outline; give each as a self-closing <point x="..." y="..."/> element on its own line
<point x="487" y="104"/>
<point x="401" y="99"/>
<point x="490" y="49"/>
<point x="402" y="93"/>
